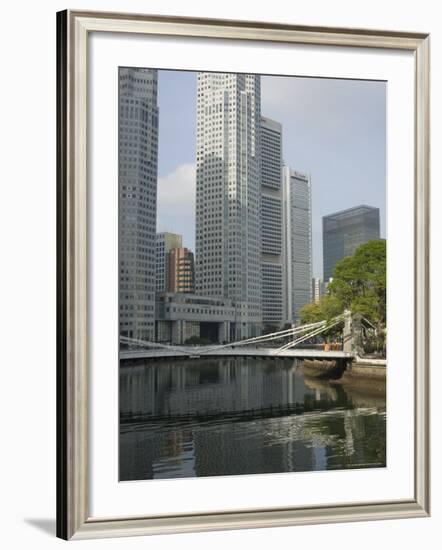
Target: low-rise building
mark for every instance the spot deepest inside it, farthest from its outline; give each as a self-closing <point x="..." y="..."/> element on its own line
<point x="181" y="316"/>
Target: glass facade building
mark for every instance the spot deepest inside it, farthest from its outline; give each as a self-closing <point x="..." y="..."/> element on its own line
<point x="344" y="231"/>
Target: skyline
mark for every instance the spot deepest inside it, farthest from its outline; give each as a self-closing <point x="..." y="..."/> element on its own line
<point x="245" y="293"/>
<point x="330" y="120"/>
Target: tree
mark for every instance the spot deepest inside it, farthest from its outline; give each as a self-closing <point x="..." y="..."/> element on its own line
<point x="310" y="313"/>
<point x="358" y="285"/>
<point x="324" y="310"/>
<point x="359" y="282"/>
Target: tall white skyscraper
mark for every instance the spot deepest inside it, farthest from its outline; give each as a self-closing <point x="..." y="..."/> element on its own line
<point x="228" y="232"/>
<point x="317" y="289"/>
<point x="297" y="241"/>
<point x="138" y="167"/>
<point x="272" y="252"/>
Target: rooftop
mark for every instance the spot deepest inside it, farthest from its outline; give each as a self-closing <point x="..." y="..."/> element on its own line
<point x="354" y="211"/>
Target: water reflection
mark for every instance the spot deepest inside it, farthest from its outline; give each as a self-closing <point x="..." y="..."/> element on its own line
<point x="231" y="416"/>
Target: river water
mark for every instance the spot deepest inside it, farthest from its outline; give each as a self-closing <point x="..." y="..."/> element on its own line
<point x="232" y="416"/>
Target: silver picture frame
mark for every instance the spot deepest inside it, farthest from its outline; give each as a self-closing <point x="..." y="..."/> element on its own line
<point x="73" y="517"/>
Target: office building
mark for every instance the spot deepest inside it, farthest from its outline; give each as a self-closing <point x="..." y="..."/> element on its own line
<point x="228" y="231"/>
<point x="271" y="224"/>
<point x="164" y="243"/>
<point x="181" y="271"/>
<point x="344" y="231"/>
<point x="183" y="316"/>
<point x="318" y="289"/>
<point x="137" y="181"/>
<point x="297" y="225"/>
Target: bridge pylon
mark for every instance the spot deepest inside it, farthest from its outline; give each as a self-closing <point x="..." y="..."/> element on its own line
<point x="348" y="333"/>
<point x="352" y="333"/>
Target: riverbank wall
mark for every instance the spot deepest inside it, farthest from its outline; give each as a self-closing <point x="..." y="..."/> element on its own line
<point x="360" y="371"/>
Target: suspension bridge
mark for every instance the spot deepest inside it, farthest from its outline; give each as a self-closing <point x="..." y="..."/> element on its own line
<point x="283" y="343"/>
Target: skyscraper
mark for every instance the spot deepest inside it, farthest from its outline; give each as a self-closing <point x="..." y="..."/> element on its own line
<point x="344" y="231"/>
<point x="297" y="241"/>
<point x="228" y="233"/>
<point x="271" y="223"/>
<point x="181" y="271"/>
<point x="164" y="243"/>
<point x="138" y="161"/>
<point x="317" y="289"/>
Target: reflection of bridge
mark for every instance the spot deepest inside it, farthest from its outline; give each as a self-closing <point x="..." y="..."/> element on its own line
<point x="288" y="342"/>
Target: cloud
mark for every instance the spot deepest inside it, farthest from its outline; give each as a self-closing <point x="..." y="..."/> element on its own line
<point x="176" y="203"/>
<point x="334" y="129"/>
<point x="324" y="105"/>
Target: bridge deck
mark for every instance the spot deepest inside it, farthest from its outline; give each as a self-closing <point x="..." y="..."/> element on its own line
<point x="234" y="352"/>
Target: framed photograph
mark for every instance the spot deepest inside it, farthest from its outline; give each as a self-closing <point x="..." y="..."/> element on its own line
<point x="242" y="274"/>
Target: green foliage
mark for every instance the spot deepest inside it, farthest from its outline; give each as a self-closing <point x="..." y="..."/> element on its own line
<point x="310" y="313"/>
<point x="359" y="282"/>
<point x="328" y="308"/>
<point x="359" y="285"/>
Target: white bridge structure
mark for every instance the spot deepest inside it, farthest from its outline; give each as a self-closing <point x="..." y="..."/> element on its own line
<point x="284" y="343"/>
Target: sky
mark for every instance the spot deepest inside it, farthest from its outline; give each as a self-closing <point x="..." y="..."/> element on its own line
<point x="335" y="130"/>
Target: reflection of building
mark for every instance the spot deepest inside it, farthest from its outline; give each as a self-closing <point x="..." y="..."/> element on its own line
<point x="181" y="316"/>
<point x="271" y="223"/>
<point x="211" y="386"/>
<point x="317" y="289"/>
<point x="164" y="244"/>
<point x="181" y="271"/>
<point x="137" y="183"/>
<point x="343" y="232"/>
<point x="297" y="241"/>
<point x="228" y="232"/>
<point x="217" y="388"/>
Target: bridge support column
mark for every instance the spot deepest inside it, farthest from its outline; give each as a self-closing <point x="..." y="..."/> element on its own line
<point x="177" y="332"/>
<point x="348" y="333"/>
<point x="224" y="332"/>
<point x="352" y="333"/>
